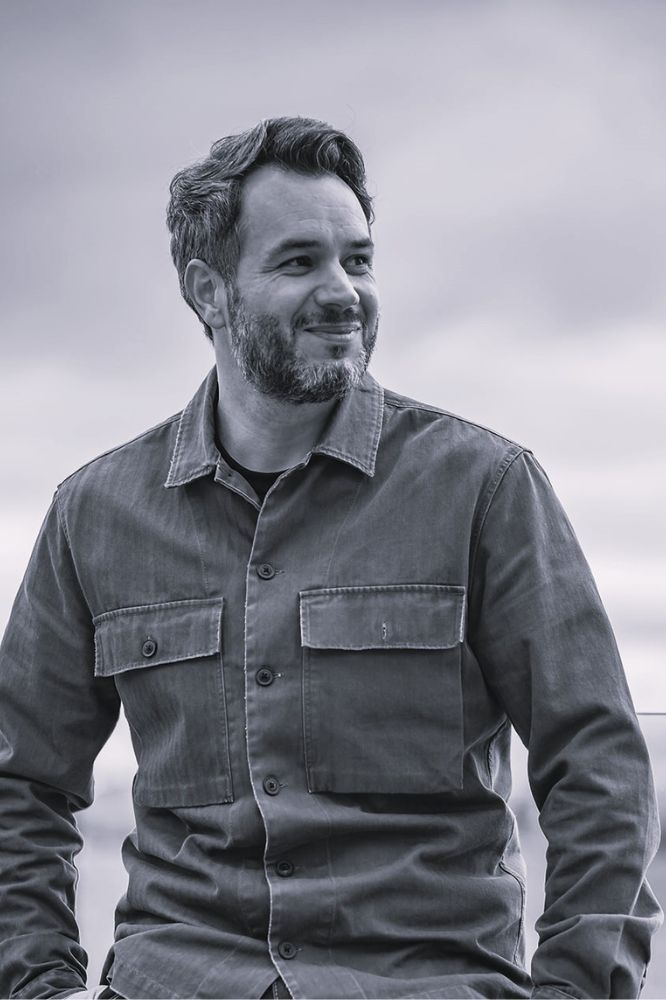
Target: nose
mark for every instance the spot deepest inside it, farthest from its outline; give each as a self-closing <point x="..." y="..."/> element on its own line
<point x="336" y="289"/>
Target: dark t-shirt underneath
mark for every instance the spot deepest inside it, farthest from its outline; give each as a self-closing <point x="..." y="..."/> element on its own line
<point x="260" y="482"/>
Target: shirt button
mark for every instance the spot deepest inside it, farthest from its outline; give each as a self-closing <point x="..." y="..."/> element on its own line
<point x="264" y="676"/>
<point x="271" y="785"/>
<point x="149" y="648"/>
<point x="287" y="950"/>
<point x="284" y="869"/>
<point x="265" y="571"/>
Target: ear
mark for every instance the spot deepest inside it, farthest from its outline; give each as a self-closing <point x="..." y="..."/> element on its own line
<point x="208" y="293"/>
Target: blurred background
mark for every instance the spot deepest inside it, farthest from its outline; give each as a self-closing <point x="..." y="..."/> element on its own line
<point x="517" y="153"/>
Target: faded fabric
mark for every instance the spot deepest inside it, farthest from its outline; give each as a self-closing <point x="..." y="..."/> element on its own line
<point x="320" y="691"/>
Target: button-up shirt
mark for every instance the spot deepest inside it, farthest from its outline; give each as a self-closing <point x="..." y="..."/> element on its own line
<point x="320" y="690"/>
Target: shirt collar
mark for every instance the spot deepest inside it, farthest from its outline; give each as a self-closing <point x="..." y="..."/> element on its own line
<point x="352" y="434"/>
<point x="195" y="453"/>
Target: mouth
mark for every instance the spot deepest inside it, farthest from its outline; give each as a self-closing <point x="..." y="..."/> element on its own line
<point x="335" y="332"/>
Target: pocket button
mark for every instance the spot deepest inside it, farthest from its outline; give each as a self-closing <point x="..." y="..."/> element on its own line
<point x="149" y="648"/>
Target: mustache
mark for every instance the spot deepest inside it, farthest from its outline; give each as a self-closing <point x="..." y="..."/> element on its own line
<point x="328" y="315"/>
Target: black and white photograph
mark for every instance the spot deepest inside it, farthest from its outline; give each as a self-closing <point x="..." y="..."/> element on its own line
<point x="333" y="567"/>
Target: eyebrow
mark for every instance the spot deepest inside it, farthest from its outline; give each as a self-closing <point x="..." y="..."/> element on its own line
<point x="291" y="243"/>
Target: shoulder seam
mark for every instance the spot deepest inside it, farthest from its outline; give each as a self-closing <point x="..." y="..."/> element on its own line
<point x="61" y="519"/>
<point x="509" y="458"/>
<point x="405" y="404"/>
<point x="60" y="514"/>
<point x="119" y="447"/>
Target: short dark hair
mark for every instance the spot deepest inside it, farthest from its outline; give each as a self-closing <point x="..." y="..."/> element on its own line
<point x="203" y="210"/>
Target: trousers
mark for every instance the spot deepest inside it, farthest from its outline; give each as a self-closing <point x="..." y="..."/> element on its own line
<point x="276" y="990"/>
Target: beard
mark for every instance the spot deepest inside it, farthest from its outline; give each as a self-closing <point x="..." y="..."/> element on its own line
<point x="271" y="362"/>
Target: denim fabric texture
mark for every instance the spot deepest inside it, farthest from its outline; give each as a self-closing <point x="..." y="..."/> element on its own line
<point x="320" y="691"/>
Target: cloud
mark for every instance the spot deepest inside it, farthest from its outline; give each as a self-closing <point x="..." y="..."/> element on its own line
<point x="517" y="155"/>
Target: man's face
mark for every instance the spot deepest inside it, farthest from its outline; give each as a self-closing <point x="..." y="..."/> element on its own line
<point x="303" y="311"/>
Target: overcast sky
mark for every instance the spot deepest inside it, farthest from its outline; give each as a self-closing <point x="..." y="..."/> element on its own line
<point x="517" y="152"/>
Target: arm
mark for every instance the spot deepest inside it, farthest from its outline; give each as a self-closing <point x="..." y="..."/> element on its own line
<point x="54" y="718"/>
<point x="547" y="650"/>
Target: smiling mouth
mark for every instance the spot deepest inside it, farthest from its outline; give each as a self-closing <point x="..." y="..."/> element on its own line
<point x="334" y="331"/>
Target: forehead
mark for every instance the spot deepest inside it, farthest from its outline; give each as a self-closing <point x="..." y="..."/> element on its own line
<point x="278" y="204"/>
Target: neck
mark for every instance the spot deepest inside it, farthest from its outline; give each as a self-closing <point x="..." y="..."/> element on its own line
<point x="261" y="433"/>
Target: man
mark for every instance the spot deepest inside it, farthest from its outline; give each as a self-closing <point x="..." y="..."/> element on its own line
<point x="322" y="606"/>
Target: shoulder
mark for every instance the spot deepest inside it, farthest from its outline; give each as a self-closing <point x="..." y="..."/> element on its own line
<point x="143" y="458"/>
<point x="449" y="433"/>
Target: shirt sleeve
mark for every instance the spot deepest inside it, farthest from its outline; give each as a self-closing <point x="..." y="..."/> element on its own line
<point x="546" y="648"/>
<point x="54" y="718"/>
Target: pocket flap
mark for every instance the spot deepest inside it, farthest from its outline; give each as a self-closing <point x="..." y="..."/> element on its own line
<point x="151" y="634"/>
<point x="400" y="616"/>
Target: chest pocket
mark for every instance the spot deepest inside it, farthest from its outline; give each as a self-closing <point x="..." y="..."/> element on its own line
<point x="382" y="692"/>
<point x="166" y="660"/>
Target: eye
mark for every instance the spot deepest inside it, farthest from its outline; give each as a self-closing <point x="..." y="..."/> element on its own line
<point x="297" y="262"/>
<point x="359" y="263"/>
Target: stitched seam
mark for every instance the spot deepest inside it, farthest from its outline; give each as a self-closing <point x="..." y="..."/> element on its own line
<point x="379" y="412"/>
<point x="119" y="447"/>
<point x="514" y="875"/>
<point x="222" y="745"/>
<point x="234" y="489"/>
<point x="183" y="786"/>
<point x="307" y="717"/>
<point x="246" y="747"/>
<point x="490" y="751"/>
<point x="366" y="464"/>
<point x="171" y="796"/>
<point x="61" y="520"/>
<point x="152" y="662"/>
<point x="305" y="620"/>
<point x="407" y="404"/>
<point x="307" y="694"/>
<point x="303" y="613"/>
<point x="387" y="645"/>
<point x="376" y="430"/>
<point x="142" y="608"/>
<point x="426" y="587"/>
<point x="176" y="448"/>
<point x="359" y="463"/>
<point x="506" y="463"/>
<point x="63" y="527"/>
<point x="202" y="470"/>
<point x="214" y="644"/>
<point x="328" y="449"/>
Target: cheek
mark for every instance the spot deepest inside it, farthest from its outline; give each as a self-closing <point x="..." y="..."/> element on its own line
<point x="283" y="304"/>
<point x="369" y="301"/>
